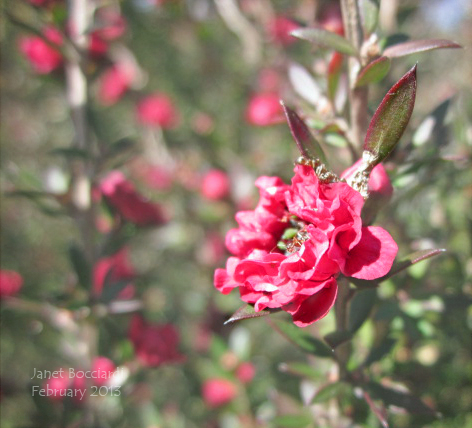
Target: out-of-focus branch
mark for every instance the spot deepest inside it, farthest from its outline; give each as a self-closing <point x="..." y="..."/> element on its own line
<point x="357" y="96"/>
<point x="76" y="83"/>
<point x="236" y="22"/>
<point x="343" y="351"/>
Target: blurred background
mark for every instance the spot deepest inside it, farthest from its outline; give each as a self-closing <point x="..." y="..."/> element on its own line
<point x="114" y="212"/>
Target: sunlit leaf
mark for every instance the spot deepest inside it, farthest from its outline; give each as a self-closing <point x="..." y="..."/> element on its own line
<point x="326" y="39"/>
<point x="330" y="391"/>
<point x="404" y="400"/>
<point x="416" y="46"/>
<point x="302" y="339"/>
<point x="292" y="421"/>
<point x="391" y="117"/>
<point x="360" y="308"/>
<point x="370" y="9"/>
<point x="306" y="143"/>
<point x="247" y="311"/>
<point x="412" y="259"/>
<point x="373" y="72"/>
<point x="304" y="84"/>
<point x="299" y="369"/>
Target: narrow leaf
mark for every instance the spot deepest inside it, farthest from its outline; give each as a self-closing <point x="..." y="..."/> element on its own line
<point x="336" y="338"/>
<point x="306" y="143"/>
<point x="70" y="153"/>
<point x="416" y="46"/>
<point x="379" y="412"/>
<point x="334" y="71"/>
<point x="391" y="117"/>
<point x="299" y="369"/>
<point x="404" y="400"/>
<point x="293" y="421"/>
<point x="111" y="290"/>
<point x="247" y="311"/>
<point x="412" y="259"/>
<point x="80" y="265"/>
<point x="378" y="352"/>
<point x="330" y="391"/>
<point x="304" y="84"/>
<point x="360" y="308"/>
<point x="370" y="9"/>
<point x="302" y="339"/>
<point x="373" y="72"/>
<point x="326" y="39"/>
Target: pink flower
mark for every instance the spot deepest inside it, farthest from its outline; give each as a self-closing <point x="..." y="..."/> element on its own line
<point x="215" y="185"/>
<point x="291" y="248"/>
<point x="218" y="391"/>
<point x="331" y="19"/>
<point x="43" y="57"/>
<point x="279" y="30"/>
<point x="379" y="182"/>
<point x="157" y="109"/>
<point x="10" y="283"/>
<point x="264" y="110"/>
<point x="111" y="24"/>
<point x="110" y="270"/>
<point x="114" y="83"/>
<point x="121" y="194"/>
<point x="212" y="250"/>
<point x="103" y="370"/>
<point x="61" y="385"/>
<point x="246" y="372"/>
<point x="97" y="46"/>
<point x="154" y="344"/>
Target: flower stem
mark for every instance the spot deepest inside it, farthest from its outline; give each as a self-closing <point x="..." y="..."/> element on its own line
<point x="343" y="351"/>
<point x="357" y="96"/>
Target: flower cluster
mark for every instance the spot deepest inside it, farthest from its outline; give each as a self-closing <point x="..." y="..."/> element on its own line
<point x="289" y="251"/>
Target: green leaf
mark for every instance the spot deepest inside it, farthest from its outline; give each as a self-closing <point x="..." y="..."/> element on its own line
<point x="336" y="338"/>
<point x="391" y="117"/>
<point x="70" y="153"/>
<point x="404" y="400"/>
<point x="292" y="421"/>
<point x="360" y="308"/>
<point x="412" y="259"/>
<point x="373" y="72"/>
<point x="378" y="352"/>
<point x="330" y="391"/>
<point x="248" y="311"/>
<point x="416" y="46"/>
<point x="370" y="9"/>
<point x="334" y="71"/>
<point x="80" y="265"/>
<point x="299" y="369"/>
<point x="302" y="339"/>
<point x="326" y="39"/>
<point x="306" y="143"/>
<point x="111" y="290"/>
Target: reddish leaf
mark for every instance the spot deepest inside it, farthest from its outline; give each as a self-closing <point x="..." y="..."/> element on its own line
<point x="379" y="412"/>
<point x="326" y="39"/>
<point x="334" y="71"/>
<point x="416" y="46"/>
<point x="306" y="143"/>
<point x="248" y="311"/>
<point x="391" y="117"/>
<point x="373" y="72"/>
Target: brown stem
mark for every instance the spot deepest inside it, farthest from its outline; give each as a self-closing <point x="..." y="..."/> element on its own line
<point x="357" y="97"/>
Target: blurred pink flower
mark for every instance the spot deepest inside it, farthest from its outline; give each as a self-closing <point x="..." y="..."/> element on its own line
<point x="157" y="110"/>
<point x="102" y="370"/>
<point x="246" y="372"/>
<point x="212" y="250"/>
<point x="268" y="80"/>
<point x="218" y="391"/>
<point x="264" y="110"/>
<point x="379" y="182"/>
<point x="279" y="30"/>
<point x="10" y="283"/>
<point x="132" y="206"/>
<point x="155" y="176"/>
<point x="97" y="46"/>
<point x="113" y="84"/>
<point x="215" y="185"/>
<point x="61" y="385"/>
<point x="111" y="24"/>
<point x="43" y="57"/>
<point x="154" y="344"/>
<point x="113" y="269"/>
<point x="331" y="18"/>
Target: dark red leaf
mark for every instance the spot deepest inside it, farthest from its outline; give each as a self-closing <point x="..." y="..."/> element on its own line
<point x="306" y="143"/>
<point x="391" y="117"/>
<point x="416" y="46"/>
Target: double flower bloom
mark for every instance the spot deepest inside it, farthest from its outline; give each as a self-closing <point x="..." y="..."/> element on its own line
<point x="275" y="266"/>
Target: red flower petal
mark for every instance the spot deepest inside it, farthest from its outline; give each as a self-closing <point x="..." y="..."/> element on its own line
<point x="373" y="256"/>
<point x="315" y="307"/>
